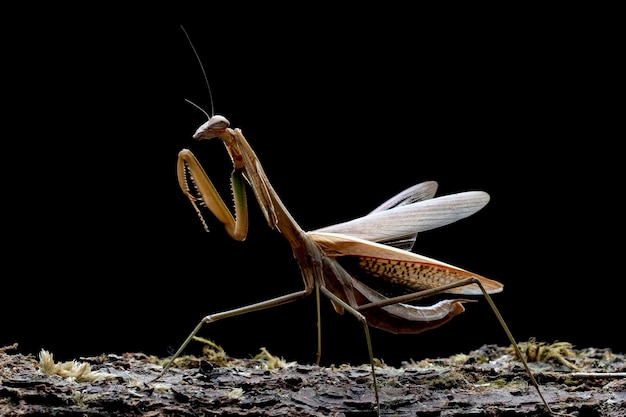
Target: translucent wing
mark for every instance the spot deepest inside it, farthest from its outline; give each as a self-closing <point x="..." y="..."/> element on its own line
<point x="397" y="221"/>
<point x="419" y="192"/>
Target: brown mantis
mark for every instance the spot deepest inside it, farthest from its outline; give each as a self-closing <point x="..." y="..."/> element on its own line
<point x="336" y="260"/>
<point x="364" y="266"/>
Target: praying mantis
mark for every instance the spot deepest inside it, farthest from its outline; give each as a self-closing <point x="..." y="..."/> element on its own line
<point x="334" y="259"/>
<point x="365" y="266"/>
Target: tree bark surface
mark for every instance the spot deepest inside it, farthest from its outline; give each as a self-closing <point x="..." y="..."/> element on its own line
<point x="489" y="381"/>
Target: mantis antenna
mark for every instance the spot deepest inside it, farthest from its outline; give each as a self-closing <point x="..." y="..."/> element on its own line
<point x="206" y="78"/>
<point x="199" y="108"/>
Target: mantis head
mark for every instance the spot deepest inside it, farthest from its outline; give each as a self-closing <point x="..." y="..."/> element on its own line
<point x="212" y="128"/>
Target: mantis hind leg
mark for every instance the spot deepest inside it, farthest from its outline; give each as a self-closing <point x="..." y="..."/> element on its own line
<point x="461" y="283"/>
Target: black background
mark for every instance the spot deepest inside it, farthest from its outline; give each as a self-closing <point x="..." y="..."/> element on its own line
<point x="103" y="253"/>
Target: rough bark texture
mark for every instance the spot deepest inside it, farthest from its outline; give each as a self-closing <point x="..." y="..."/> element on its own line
<point x="485" y="382"/>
